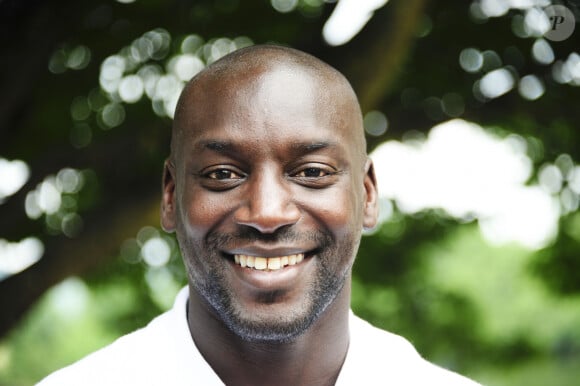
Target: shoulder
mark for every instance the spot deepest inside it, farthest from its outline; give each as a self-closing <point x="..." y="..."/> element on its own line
<point x="374" y="348"/>
<point x="152" y="355"/>
<point x="378" y="357"/>
<point x="116" y="361"/>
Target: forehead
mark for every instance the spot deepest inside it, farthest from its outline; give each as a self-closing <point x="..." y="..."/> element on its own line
<point x="268" y="107"/>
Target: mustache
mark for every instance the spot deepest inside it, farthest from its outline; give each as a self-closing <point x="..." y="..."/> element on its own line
<point x="219" y="240"/>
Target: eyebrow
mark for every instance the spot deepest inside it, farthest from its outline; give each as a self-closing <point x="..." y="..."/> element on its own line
<point x="217" y="146"/>
<point x="226" y="147"/>
<point x="309" y="147"/>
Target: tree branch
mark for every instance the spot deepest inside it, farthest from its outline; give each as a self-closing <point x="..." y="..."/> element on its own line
<point x="64" y="257"/>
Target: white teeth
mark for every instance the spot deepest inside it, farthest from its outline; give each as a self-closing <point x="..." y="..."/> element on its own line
<point x="274" y="263"/>
<point x="270" y="263"/>
<point x="261" y="263"/>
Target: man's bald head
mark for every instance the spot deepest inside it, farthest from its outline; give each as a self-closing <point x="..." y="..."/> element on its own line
<point x="245" y="68"/>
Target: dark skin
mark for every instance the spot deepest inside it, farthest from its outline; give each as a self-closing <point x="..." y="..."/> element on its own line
<point x="268" y="160"/>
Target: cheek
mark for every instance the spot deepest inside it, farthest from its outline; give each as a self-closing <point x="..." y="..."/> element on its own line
<point x="336" y="209"/>
<point x="340" y="215"/>
<point x="201" y="210"/>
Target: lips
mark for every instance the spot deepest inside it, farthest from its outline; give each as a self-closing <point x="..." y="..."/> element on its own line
<point x="267" y="263"/>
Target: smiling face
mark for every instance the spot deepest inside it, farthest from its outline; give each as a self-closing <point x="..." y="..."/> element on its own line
<point x="268" y="189"/>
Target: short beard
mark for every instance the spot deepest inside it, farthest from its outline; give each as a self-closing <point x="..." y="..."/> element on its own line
<point x="327" y="285"/>
<point x="283" y="330"/>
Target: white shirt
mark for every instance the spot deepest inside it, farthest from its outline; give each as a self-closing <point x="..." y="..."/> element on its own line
<point x="163" y="353"/>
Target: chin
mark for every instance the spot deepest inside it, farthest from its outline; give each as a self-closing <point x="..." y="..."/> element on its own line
<point x="282" y="327"/>
<point x="280" y="323"/>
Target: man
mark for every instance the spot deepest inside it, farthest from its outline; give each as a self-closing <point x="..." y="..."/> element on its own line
<point x="268" y="188"/>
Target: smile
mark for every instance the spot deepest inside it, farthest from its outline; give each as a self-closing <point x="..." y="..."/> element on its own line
<point x="268" y="263"/>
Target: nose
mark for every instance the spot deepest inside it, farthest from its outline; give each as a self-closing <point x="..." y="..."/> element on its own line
<point x="268" y="205"/>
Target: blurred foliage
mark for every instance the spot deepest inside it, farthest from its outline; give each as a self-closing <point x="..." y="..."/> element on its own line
<point x="503" y="314"/>
<point x="560" y="271"/>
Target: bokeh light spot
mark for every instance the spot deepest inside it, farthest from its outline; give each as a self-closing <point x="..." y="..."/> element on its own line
<point x="17" y="256"/>
<point x="496" y="83"/>
<point x="348" y="18"/>
<point x="550" y="178"/>
<point x="80" y="109"/>
<point x="494" y="8"/>
<point x="70" y="298"/>
<point x="519" y="26"/>
<point x="425" y="27"/>
<point x="57" y="62"/>
<point x="531" y="87"/>
<point x="130" y="251"/>
<point x="31" y="207"/>
<point x="284" y="6"/>
<point x="471" y="60"/>
<point x="375" y="123"/>
<point x="453" y="104"/>
<point x="186" y="66"/>
<point x="162" y="286"/>
<point x="112" y="115"/>
<point x="569" y="200"/>
<point x="48" y="196"/>
<point x="69" y="180"/>
<point x="97" y="99"/>
<point x="14" y="174"/>
<point x="433" y="107"/>
<point x="78" y="58"/>
<point x="242" y="41"/>
<point x="71" y="225"/>
<point x="112" y="70"/>
<point x="191" y="44"/>
<point x="476" y="13"/>
<point x="150" y="74"/>
<point x="161" y="40"/>
<point x="565" y="163"/>
<point x="572" y="68"/>
<point x="542" y="52"/>
<point x="167" y="86"/>
<point x="141" y="49"/>
<point x="536" y="22"/>
<point x="131" y="88"/>
<point x="574" y="179"/>
<point x="146" y="233"/>
<point x="491" y="60"/>
<point x="156" y="252"/>
<point x="220" y="48"/>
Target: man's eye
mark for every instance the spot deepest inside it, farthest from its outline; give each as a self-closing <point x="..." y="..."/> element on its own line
<point x="223" y="174"/>
<point x="312" y="173"/>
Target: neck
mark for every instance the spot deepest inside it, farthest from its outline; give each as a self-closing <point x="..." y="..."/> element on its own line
<point x="313" y="358"/>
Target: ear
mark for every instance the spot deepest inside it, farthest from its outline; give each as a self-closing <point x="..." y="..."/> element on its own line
<point x="168" y="197"/>
<point x="371" y="209"/>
